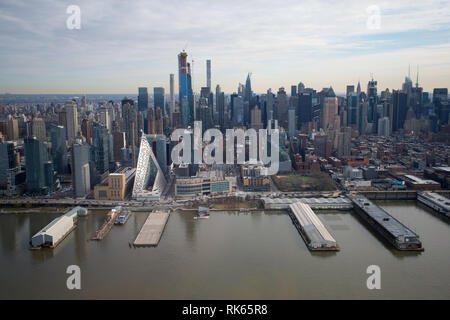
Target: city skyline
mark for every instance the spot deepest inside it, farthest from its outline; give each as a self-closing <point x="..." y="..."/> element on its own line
<point x="320" y="44"/>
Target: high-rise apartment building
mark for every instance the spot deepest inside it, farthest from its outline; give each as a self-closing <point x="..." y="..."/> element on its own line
<point x="208" y="73"/>
<point x="71" y="120"/>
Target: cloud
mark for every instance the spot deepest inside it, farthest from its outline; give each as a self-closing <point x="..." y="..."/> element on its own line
<point x="123" y="45"/>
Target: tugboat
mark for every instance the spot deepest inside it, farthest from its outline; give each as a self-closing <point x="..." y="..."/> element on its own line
<point x="202" y="213"/>
<point x="123" y="218"/>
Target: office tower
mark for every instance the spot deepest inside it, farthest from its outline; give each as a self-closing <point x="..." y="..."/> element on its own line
<point x="208" y="73"/>
<point x="83" y="103"/>
<point x="350" y="89"/>
<point x="329" y="113"/>
<point x="159" y="97"/>
<point x="352" y="109"/>
<point x="38" y="129"/>
<point x="400" y="108"/>
<point x="384" y="127"/>
<point x="159" y="120"/>
<point x="301" y="88"/>
<point x="172" y="96"/>
<point x="142" y="99"/>
<point x="118" y="144"/>
<point x="220" y="107"/>
<point x="105" y="118"/>
<point x="59" y="149"/>
<point x="7" y="162"/>
<point x="130" y="119"/>
<point x="440" y="94"/>
<point x="344" y="139"/>
<point x="238" y="110"/>
<point x="71" y="120"/>
<point x="293" y="91"/>
<point x="256" y="118"/>
<point x="81" y="176"/>
<point x="100" y="147"/>
<point x="269" y="107"/>
<point x="373" y="100"/>
<point x="248" y="93"/>
<point x="151" y="121"/>
<point x="13" y="129"/>
<point x="282" y="108"/>
<point x="86" y="130"/>
<point x="38" y="166"/>
<point x="292" y="130"/>
<point x="442" y="111"/>
<point x="304" y="113"/>
<point x="407" y="88"/>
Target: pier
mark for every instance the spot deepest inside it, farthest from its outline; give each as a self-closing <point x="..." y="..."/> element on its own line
<point x="312" y="230"/>
<point x="387" y="226"/>
<point x="107" y="225"/>
<point x="152" y="229"/>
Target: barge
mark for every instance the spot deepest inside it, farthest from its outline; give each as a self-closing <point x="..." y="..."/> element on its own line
<point x="435" y="201"/>
<point x="400" y="236"/>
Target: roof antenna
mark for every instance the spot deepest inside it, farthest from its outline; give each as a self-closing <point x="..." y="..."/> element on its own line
<point x="417" y="81"/>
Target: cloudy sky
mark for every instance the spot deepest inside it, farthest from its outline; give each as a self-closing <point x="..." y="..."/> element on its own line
<point x="126" y="44"/>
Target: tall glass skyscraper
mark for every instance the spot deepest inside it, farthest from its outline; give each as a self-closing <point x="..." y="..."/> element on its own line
<point x="38" y="166"/>
<point x="142" y="100"/>
<point x="59" y="149"/>
<point x="183" y="87"/>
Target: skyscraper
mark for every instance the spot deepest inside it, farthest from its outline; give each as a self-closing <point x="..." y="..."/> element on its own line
<point x="220" y="106"/>
<point x="101" y="147"/>
<point x="248" y="89"/>
<point x="142" y="100"/>
<point x="38" y="129"/>
<point x="208" y="73"/>
<point x="282" y="108"/>
<point x="293" y="90"/>
<point x="304" y="113"/>
<point x="183" y="87"/>
<point x="81" y="178"/>
<point x="71" y="120"/>
<point x="159" y="97"/>
<point x="373" y="100"/>
<point x="130" y="119"/>
<point x="59" y="149"/>
<point x="38" y="166"/>
<point x="172" y="96"/>
<point x="7" y="162"/>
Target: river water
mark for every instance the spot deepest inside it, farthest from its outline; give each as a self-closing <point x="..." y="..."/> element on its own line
<point x="232" y="255"/>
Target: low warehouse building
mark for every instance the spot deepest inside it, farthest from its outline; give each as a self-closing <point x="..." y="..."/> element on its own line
<point x="52" y="234"/>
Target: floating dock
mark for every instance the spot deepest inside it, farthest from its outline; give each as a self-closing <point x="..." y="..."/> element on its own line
<point x="435" y="201"/>
<point x="152" y="229"/>
<point x="107" y="225"/>
<point x="312" y="230"/>
<point x="390" y="228"/>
